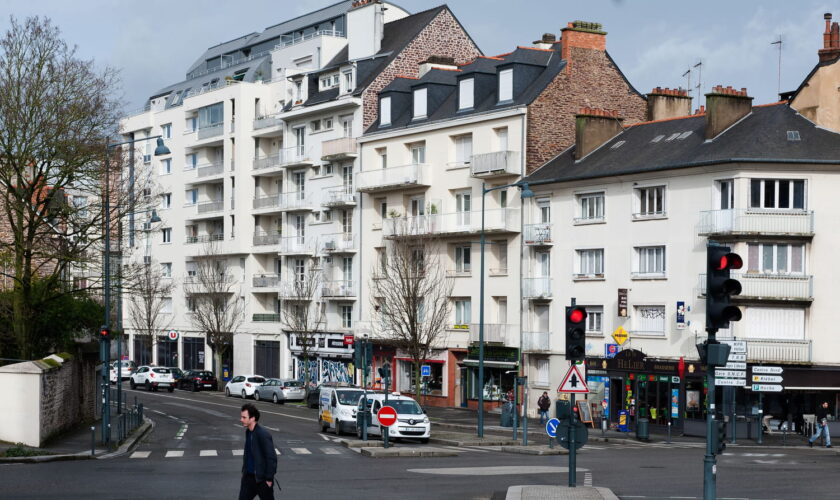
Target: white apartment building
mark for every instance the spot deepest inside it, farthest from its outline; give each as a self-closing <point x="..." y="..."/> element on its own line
<point x="263" y="140"/>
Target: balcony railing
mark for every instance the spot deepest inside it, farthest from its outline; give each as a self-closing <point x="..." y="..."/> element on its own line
<point x="268" y="201"/>
<point x="265" y="238"/>
<point x="536" y="341"/>
<point x="272" y="160"/>
<point x="211" y="131"/>
<point x="339" y="242"/>
<point x="494" y="332"/>
<point x="295" y="200"/>
<point x="295" y="155"/>
<point x="537" y="288"/>
<point x="381" y="179"/>
<point x="266" y="318"/>
<point x="209" y="169"/>
<point x="756" y="221"/>
<point x="309" y="36"/>
<point x="338" y="148"/>
<point x="206" y="207"/>
<point x="537" y="234"/>
<point x="770" y="286"/>
<point x="496" y="163"/>
<point x="265" y="280"/>
<point x="205" y="238"/>
<point x="761" y="350"/>
<point x="266" y="121"/>
<point x="297" y="245"/>
<point x="341" y="196"/>
<point x="501" y="219"/>
<point x="342" y="288"/>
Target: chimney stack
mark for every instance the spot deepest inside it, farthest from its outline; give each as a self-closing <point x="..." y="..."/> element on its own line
<point x="724" y="107"/>
<point x="831" y="40"/>
<point x="546" y="42"/>
<point x="667" y="103"/>
<point x="582" y="35"/>
<point x="437" y="62"/>
<point x="594" y="127"/>
<point x="365" y="27"/>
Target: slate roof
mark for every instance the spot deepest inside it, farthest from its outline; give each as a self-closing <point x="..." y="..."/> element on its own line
<point x="761" y="136"/>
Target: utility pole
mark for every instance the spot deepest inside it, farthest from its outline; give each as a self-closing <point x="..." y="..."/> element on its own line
<point x="779" y="83"/>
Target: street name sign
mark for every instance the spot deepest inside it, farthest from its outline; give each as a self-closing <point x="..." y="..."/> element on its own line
<point x="731" y="382"/>
<point x="769" y="370"/>
<point x="730" y="373"/>
<point x="766" y="388"/>
<point x="738" y="346"/>
<point x="767" y="379"/>
<point x="735" y="365"/>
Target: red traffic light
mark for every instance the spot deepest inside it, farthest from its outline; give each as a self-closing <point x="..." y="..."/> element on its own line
<point x="104" y="332"/>
<point x="577" y="315"/>
<point x="730" y="261"/>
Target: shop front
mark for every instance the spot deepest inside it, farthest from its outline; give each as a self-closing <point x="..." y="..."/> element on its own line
<point x="500" y="368"/>
<point x="329" y="358"/>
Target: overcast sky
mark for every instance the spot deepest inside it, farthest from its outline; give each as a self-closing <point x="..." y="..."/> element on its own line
<point x="654" y="42"/>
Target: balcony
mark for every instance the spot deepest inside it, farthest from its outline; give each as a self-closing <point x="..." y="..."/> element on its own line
<point x="296" y="156"/>
<point x="339" y="149"/>
<point x="536" y="288"/>
<point x="265" y="281"/>
<point x="204" y="238"/>
<point x="775" y="350"/>
<point x="339" y="243"/>
<point x="208" y="207"/>
<point x="296" y="200"/>
<point x="266" y="318"/>
<point x="342" y="196"/>
<point x="770" y="287"/>
<point x="499" y="333"/>
<point x="456" y="223"/>
<point x="263" y="238"/>
<point x="210" y="169"/>
<point x="338" y="289"/>
<point x="209" y="131"/>
<point x="297" y="245"/>
<point x="756" y="222"/>
<point x="391" y="178"/>
<point x="267" y="162"/>
<point x="536" y="341"/>
<point x="266" y="122"/>
<point x="537" y="234"/>
<point x="496" y="164"/>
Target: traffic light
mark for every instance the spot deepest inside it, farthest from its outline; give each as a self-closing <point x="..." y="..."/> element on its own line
<point x="720" y="287"/>
<point x="720" y="444"/>
<point x="575" y="333"/>
<point x="105" y="333"/>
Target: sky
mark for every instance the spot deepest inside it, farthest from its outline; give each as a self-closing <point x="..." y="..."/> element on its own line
<point x="653" y="42"/>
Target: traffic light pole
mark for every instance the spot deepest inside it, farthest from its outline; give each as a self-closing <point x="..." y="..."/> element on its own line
<point x="710" y="460"/>
<point x="572" y="445"/>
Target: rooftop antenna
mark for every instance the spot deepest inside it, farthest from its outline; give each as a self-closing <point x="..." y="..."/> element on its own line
<point x="699" y="86"/>
<point x="779" y="84"/>
<point x="688" y="74"/>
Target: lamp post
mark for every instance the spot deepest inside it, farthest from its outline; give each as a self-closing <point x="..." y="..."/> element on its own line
<point x="525" y="192"/>
<point x="105" y="340"/>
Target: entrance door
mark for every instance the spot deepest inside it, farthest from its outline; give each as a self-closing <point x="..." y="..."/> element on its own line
<point x="267" y="358"/>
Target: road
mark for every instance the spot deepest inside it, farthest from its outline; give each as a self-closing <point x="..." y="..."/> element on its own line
<point x="195" y="452"/>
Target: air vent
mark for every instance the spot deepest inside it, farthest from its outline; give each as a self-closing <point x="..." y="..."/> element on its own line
<point x="657" y="138"/>
<point x="793" y="135"/>
<point x="617" y="145"/>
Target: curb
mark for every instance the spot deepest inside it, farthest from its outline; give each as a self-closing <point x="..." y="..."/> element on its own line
<point x="406" y="452"/>
<point x="535" y="450"/>
<point x="132" y="441"/>
<point x="357" y="443"/>
<point x="473" y="442"/>
<point x="516" y="492"/>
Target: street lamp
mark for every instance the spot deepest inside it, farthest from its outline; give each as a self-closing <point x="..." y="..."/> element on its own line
<point x="525" y="192"/>
<point x="105" y="340"/>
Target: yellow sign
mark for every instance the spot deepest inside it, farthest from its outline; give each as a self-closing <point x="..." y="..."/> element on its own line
<point x="620" y="335"/>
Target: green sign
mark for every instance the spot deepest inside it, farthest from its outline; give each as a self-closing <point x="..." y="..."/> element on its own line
<point x="495" y="353"/>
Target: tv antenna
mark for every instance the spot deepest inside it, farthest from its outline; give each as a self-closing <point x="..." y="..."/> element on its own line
<point x="699" y="87"/>
<point x="779" y="84"/>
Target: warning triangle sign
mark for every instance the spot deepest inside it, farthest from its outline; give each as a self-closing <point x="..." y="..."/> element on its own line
<point x="573" y="382"/>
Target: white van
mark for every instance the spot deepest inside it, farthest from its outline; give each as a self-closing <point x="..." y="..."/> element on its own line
<point x="412" y="421"/>
<point x="337" y="408"/>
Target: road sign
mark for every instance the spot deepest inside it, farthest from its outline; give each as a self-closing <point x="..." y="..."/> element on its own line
<point x="730" y="373"/>
<point x="770" y="370"/>
<point x="768" y="379"/>
<point x="173" y="335"/>
<point x="387" y="416"/>
<point x="425" y="371"/>
<point x="581" y="434"/>
<point x="735" y="365"/>
<point x="348" y="340"/>
<point x="610" y="350"/>
<point x="573" y="382"/>
<point x="551" y="427"/>
<point x="766" y="388"/>
<point x="731" y="382"/>
<point x="738" y="346"/>
<point x="737" y="356"/>
<point x="620" y="335"/>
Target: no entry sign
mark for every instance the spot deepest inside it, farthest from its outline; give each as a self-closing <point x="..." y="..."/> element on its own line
<point x="387" y="416"/>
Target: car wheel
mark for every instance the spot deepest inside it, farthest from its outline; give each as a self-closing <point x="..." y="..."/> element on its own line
<point x="227" y="392"/>
<point x="324" y="425"/>
<point x="195" y="388"/>
<point x="244" y="396"/>
<point x="171" y="389"/>
<point x="256" y="395"/>
<point x="132" y="384"/>
<point x="274" y="399"/>
<point x="338" y="429"/>
<point x="148" y="386"/>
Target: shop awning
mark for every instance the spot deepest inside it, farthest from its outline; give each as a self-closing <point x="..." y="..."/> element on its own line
<point x="490" y="364"/>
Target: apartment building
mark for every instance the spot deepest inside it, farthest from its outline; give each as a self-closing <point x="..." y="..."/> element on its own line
<point x="438" y="140"/>
<point x="263" y="139"/>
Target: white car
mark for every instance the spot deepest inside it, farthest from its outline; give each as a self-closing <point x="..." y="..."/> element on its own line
<point x="243" y="385"/>
<point x="128" y="368"/>
<point x="412" y="421"/>
<point x="153" y="378"/>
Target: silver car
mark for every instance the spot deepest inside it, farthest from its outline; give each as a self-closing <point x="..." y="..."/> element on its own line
<point x="271" y="389"/>
<point x="293" y="390"/>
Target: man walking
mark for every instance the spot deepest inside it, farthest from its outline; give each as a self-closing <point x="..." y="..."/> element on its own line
<point x="259" y="463"/>
<point x="544" y="404"/>
<point x="822" y="426"/>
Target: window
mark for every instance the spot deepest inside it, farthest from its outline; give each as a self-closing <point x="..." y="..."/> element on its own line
<point x="544" y="210"/>
<point x="166" y="166"/>
<point x="591" y="207"/>
<point x="314" y="126"/>
<point x="167" y="234"/>
<point x="463" y="149"/>
<point x="209" y="116"/>
<point x="783" y="323"/>
<point x="166" y="305"/>
<point x="463" y="259"/>
<point x="594" y="320"/>
<point x="651" y="201"/>
<point x="192" y="304"/>
<point x="385" y="111"/>
<point x="463" y="208"/>
<point x="300" y="140"/>
<point x="166" y="200"/>
<point x="649" y="320"/>
<point x="166" y="130"/>
<point x="502" y="139"/>
<point x="191" y="196"/>
<point x="346" y="316"/>
<point x="776" y="258"/>
<point x="591" y="262"/>
<point x="420" y="103"/>
<point x="777" y="193"/>
<point x="348" y="81"/>
<point x="327" y="123"/>
<point x="499" y="250"/>
<point x="465" y="93"/>
<point x="541" y="372"/>
<point x="192" y="161"/>
<point x="382" y="203"/>
<point x="726" y="194"/>
<point x="299" y="269"/>
<point x="383" y="157"/>
<point x="80" y="204"/>
<point x="506" y="85"/>
<point x="326" y="169"/>
<point x="191" y="123"/>
<point x="463" y="314"/>
<point x="418" y="153"/>
<point x="651" y="260"/>
<point x="166" y="269"/>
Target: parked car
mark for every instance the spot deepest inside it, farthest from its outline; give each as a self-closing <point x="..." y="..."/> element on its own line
<point x="128" y="367"/>
<point x="412" y="421"/>
<point x="243" y="385"/>
<point x="152" y="378"/>
<point x="177" y="373"/>
<point x="270" y="389"/>
<point x="313" y="397"/>
<point x="197" y="380"/>
<point x="293" y="390"/>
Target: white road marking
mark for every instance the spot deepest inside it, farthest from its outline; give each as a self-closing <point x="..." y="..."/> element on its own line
<point x="494" y="471"/>
<point x="277" y="451"/>
<point x="234" y="408"/>
<point x="141" y="454"/>
<point x="271" y="428"/>
<point x="331" y="451"/>
<point x="301" y="451"/>
<point x="238" y="453"/>
<point x="208" y="453"/>
<point x="325" y="438"/>
<point x="174" y="454"/>
<point x="587" y="479"/>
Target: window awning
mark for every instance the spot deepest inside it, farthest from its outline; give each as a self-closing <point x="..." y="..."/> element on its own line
<point x="491" y="364"/>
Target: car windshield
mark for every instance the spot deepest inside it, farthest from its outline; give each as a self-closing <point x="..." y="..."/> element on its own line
<point x="349" y="397"/>
<point x="405" y="407"/>
<point x="160" y="370"/>
<point x="256" y="380"/>
<point x="293" y="383"/>
<point x="203" y="374"/>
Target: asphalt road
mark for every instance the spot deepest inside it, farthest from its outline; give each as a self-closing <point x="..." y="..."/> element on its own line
<point x="195" y="452"/>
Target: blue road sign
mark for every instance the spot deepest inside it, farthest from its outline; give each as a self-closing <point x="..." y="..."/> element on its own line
<point x="425" y="371"/>
<point x="551" y="427"/>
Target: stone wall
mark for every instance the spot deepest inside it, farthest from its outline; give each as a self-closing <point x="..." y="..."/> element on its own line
<point x="67" y="397"/>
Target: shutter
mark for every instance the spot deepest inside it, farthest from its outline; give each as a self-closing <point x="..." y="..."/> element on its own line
<point x="774" y="323"/>
<point x="465" y="93"/>
<point x="385" y="111"/>
<point x="752" y="257"/>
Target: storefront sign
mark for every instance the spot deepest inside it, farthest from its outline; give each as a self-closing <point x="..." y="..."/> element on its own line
<point x="610" y="350"/>
<point x="336" y="343"/>
<point x="622" y="302"/>
<point x="495" y="353"/>
<point x="633" y="360"/>
<point x="680" y="315"/>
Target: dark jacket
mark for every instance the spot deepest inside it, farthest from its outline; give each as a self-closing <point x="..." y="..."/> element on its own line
<point x="265" y="458"/>
<point x="821" y="413"/>
<point x="544" y="403"/>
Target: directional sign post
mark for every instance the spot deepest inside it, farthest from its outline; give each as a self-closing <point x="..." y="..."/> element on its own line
<point x="767" y="378"/>
<point x="766" y="388"/>
<point x="769" y="370"/>
<point x="734" y="373"/>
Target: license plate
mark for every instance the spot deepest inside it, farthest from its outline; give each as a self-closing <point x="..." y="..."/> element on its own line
<point x="412" y="429"/>
<point x="163" y="384"/>
<point x="208" y="385"/>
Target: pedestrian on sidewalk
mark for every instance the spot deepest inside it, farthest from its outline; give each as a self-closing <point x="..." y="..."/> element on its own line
<point x="259" y="462"/>
<point x="544" y="404"/>
<point x="822" y="426"/>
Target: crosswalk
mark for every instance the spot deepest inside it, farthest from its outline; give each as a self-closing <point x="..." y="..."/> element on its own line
<point x="291" y="452"/>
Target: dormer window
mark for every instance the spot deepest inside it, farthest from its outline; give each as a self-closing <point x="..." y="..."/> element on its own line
<point x="385" y="111"/>
<point x="465" y="94"/>
<point x="329" y="81"/>
<point x="348" y="81"/>
<point x="420" y="103"/>
<point x="506" y="85"/>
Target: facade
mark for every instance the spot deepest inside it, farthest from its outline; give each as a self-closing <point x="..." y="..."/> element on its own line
<point x="263" y="139"/>
<point x="438" y="140"/>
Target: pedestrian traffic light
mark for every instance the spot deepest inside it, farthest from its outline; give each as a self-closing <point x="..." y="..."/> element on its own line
<point x="720" y="444"/>
<point x="575" y="333"/>
<point x="105" y="333"/>
<point x="720" y="287"/>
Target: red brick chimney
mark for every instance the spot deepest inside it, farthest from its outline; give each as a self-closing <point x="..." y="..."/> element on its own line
<point x="667" y="103"/>
<point x="582" y="35"/>
<point x="594" y="127"/>
<point x="831" y="40"/>
<point x="724" y="107"/>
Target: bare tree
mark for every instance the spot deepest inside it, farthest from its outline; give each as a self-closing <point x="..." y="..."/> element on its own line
<point x="215" y="306"/>
<point x="302" y="314"/>
<point x="147" y="291"/>
<point x="410" y="294"/>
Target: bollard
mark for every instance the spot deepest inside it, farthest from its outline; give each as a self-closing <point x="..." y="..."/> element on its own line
<point x="669" y="432"/>
<point x="603" y="428"/>
<point x="551" y="443"/>
<point x="110" y="436"/>
<point x="92" y="440"/>
<point x="784" y="435"/>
